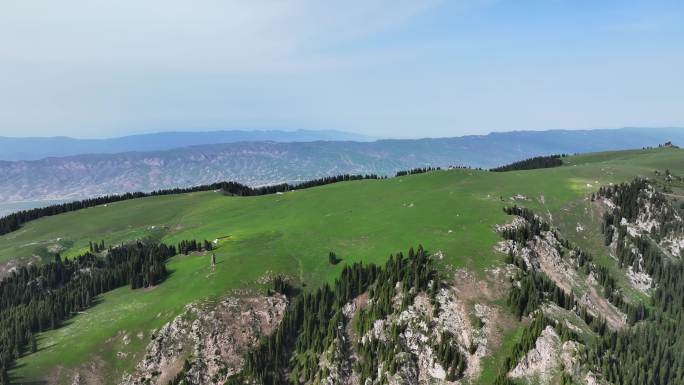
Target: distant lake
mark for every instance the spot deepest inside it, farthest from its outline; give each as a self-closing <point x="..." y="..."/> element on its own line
<point x="7" y="208"/>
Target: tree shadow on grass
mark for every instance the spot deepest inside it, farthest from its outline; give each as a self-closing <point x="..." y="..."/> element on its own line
<point x="18" y="380"/>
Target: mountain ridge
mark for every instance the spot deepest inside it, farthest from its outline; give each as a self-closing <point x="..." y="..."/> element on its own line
<point x="262" y="163"/>
<point x="36" y="148"/>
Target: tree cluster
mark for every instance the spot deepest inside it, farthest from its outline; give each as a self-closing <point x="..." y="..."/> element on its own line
<point x="450" y="356"/>
<point x="280" y="286"/>
<point x="186" y="247"/>
<point x="332" y="258"/>
<point x="532" y="163"/>
<point x="314" y="320"/>
<point x="527" y="342"/>
<point x="419" y="170"/>
<point x="534" y="227"/>
<point x="630" y="199"/>
<point x="237" y="189"/>
<point x="650" y="352"/>
<point x="40" y="297"/>
<point x="13" y="221"/>
<point x="95" y="247"/>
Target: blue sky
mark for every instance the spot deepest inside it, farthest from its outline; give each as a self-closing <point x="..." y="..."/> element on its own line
<point x="96" y="68"/>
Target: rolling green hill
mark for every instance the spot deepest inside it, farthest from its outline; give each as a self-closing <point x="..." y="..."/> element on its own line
<point x="452" y="211"/>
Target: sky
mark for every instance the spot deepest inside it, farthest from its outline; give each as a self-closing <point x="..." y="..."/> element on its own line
<point x="384" y="68"/>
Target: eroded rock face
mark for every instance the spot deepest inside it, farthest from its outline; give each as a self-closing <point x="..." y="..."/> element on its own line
<point x="548" y="359"/>
<point x="655" y="216"/>
<point x="208" y="343"/>
<point x="408" y="373"/>
<point x="542" y="361"/>
<point x="654" y="219"/>
<point x="423" y="328"/>
<point x="542" y="254"/>
<point x="419" y="328"/>
<point x="639" y="280"/>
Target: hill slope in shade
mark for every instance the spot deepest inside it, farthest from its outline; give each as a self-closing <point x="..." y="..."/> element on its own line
<point x="453" y="213"/>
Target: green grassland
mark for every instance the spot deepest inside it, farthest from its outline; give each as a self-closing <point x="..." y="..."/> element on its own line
<point x="452" y="211"/>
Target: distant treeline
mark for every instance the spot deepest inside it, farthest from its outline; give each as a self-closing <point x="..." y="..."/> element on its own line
<point x="14" y="221"/>
<point x="39" y="297"/>
<point x="533" y="163"/>
<point x="417" y="171"/>
<point x="234" y="188"/>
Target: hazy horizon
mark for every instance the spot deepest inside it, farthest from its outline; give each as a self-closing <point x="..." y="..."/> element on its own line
<point x="246" y="130"/>
<point x="380" y="68"/>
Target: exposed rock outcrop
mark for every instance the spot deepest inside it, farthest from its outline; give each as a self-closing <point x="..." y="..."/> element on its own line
<point x="546" y="253"/>
<point x="549" y="359"/>
<point x="207" y="342"/>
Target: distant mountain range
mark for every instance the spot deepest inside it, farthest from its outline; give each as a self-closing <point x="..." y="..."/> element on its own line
<point x="266" y="162"/>
<point x="39" y="148"/>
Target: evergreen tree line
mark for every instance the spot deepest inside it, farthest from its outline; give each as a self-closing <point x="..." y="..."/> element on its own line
<point x="237" y="189"/>
<point x="280" y="286"/>
<point x="536" y="288"/>
<point x="14" y="221"/>
<point x="450" y="357"/>
<point x="630" y="199"/>
<point x="314" y="320"/>
<point x="650" y="352"/>
<point x="333" y="179"/>
<point x="533" y="163"/>
<point x="534" y="227"/>
<point x="186" y="247"/>
<point x="40" y="297"/>
<point x="527" y="342"/>
<point x="95" y="247"/>
<point x="642" y="253"/>
<point x="411" y="275"/>
<point x="419" y="170"/>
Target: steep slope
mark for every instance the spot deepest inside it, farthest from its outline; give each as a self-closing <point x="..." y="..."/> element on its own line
<point x="453" y="214"/>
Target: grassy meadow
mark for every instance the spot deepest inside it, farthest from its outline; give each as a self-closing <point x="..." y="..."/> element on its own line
<point x="453" y="211"/>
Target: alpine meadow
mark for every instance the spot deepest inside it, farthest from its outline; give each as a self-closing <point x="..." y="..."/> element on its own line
<point x="287" y="238"/>
<point x="373" y="192"/>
